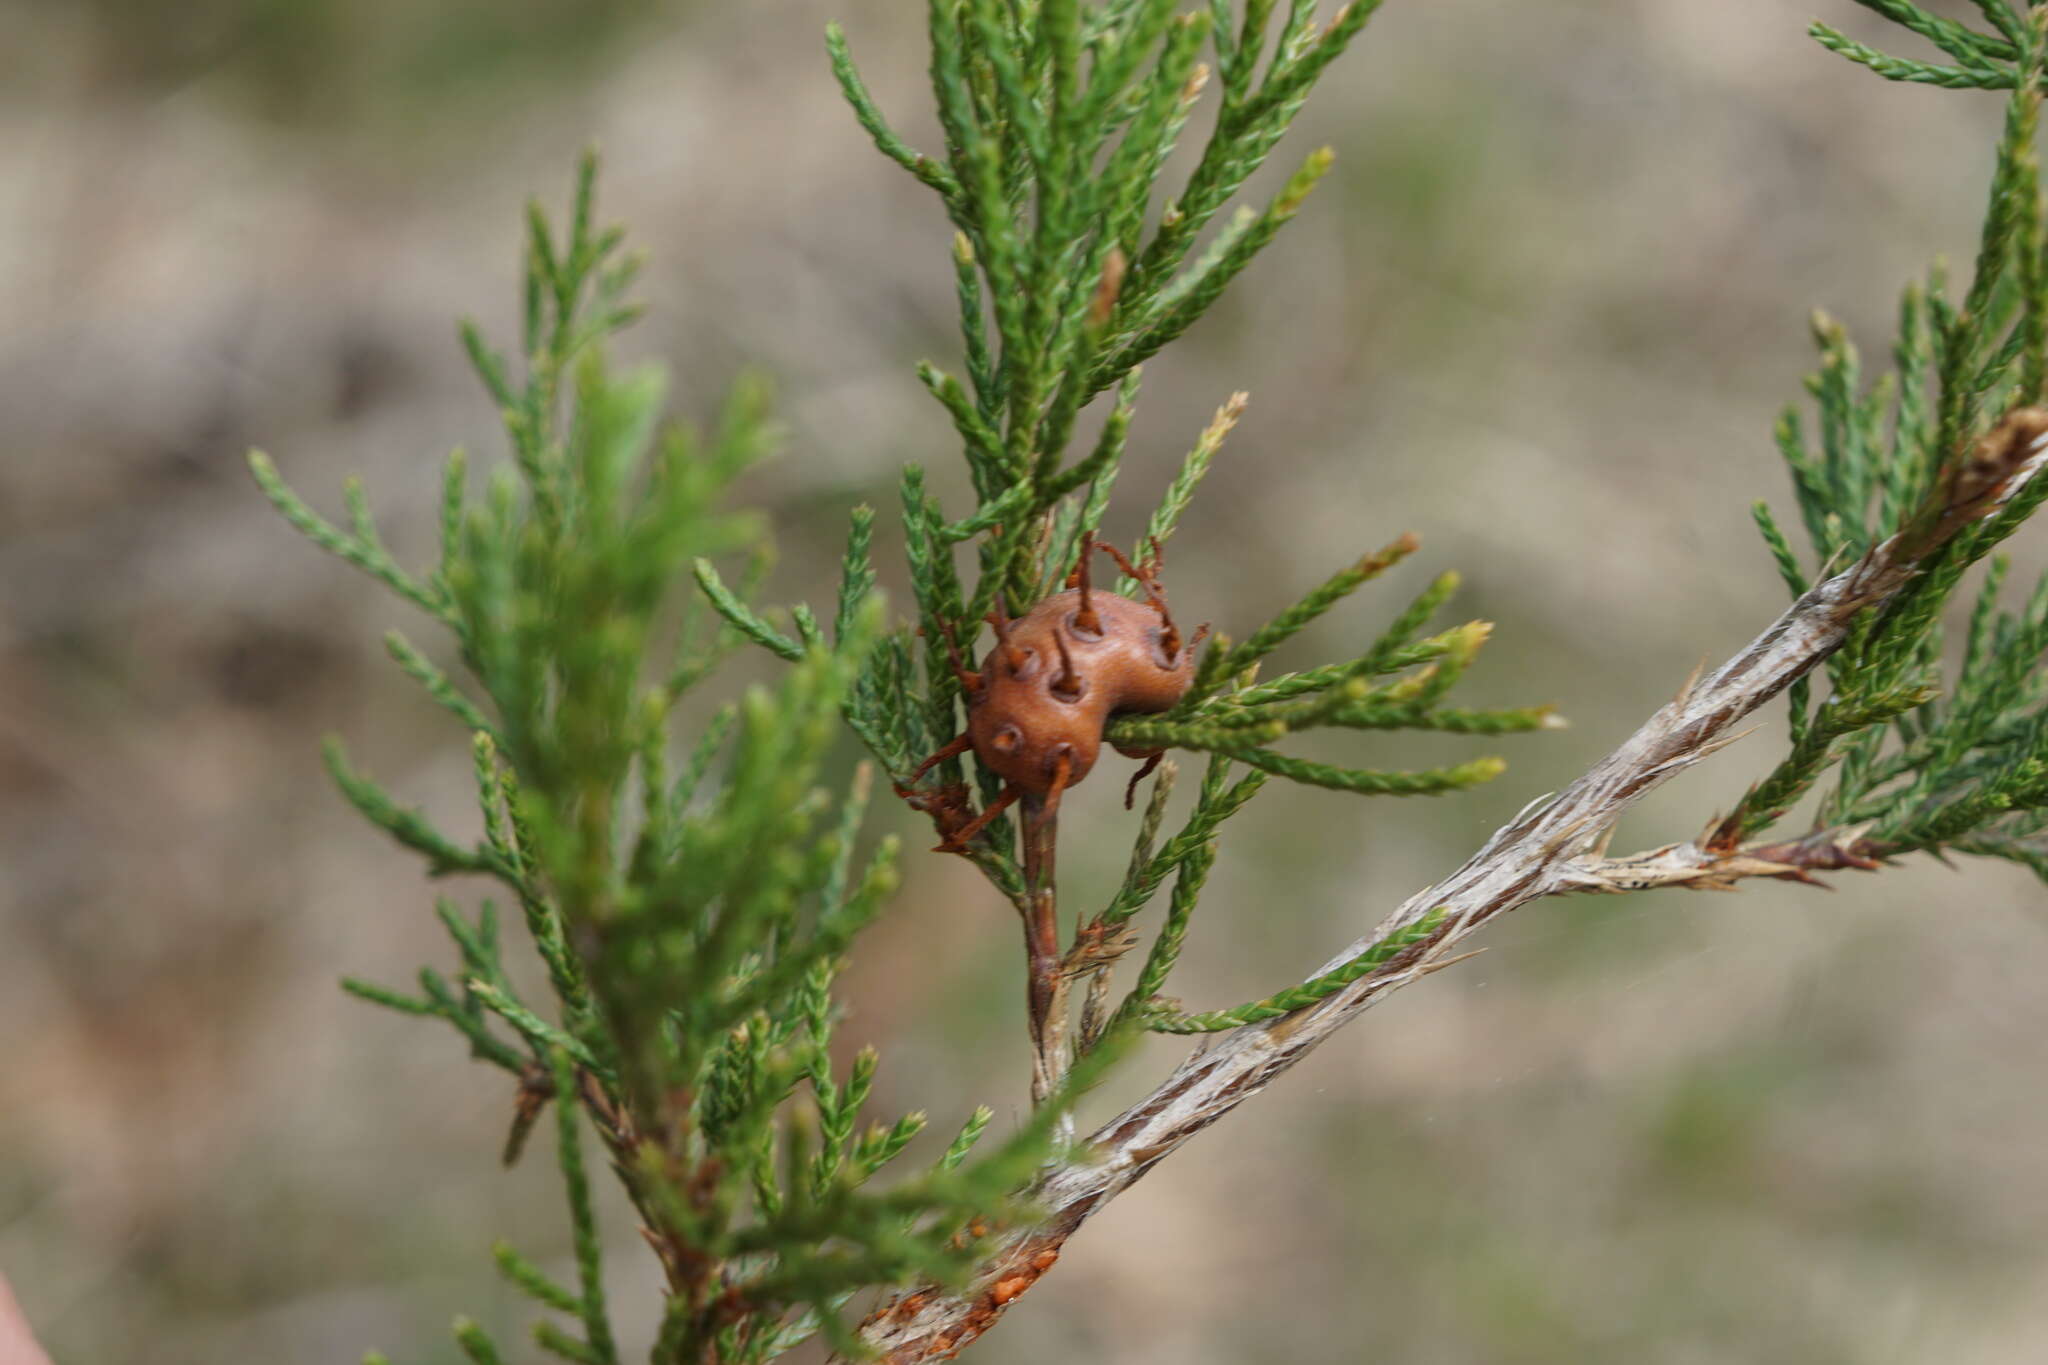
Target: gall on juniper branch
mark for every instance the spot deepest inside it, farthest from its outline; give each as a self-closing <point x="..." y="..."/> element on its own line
<point x="1053" y="679"/>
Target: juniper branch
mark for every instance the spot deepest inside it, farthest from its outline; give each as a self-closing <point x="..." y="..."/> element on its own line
<point x="1540" y="853"/>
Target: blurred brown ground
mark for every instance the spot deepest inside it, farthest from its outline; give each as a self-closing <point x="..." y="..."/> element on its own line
<point x="1543" y="313"/>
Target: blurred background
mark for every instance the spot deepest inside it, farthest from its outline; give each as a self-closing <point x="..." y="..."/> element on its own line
<point x="1543" y="314"/>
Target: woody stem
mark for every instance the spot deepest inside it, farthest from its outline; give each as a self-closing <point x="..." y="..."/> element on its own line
<point x="1045" y="983"/>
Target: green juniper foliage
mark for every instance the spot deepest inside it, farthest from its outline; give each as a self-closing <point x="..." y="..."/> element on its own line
<point x="691" y="916"/>
<point x="1074" y="263"/>
<point x="692" y="896"/>
<point x="1920" y="763"/>
<point x="1058" y="120"/>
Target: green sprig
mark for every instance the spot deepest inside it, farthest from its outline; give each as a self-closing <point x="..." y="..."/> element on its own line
<point x="1316" y="988"/>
